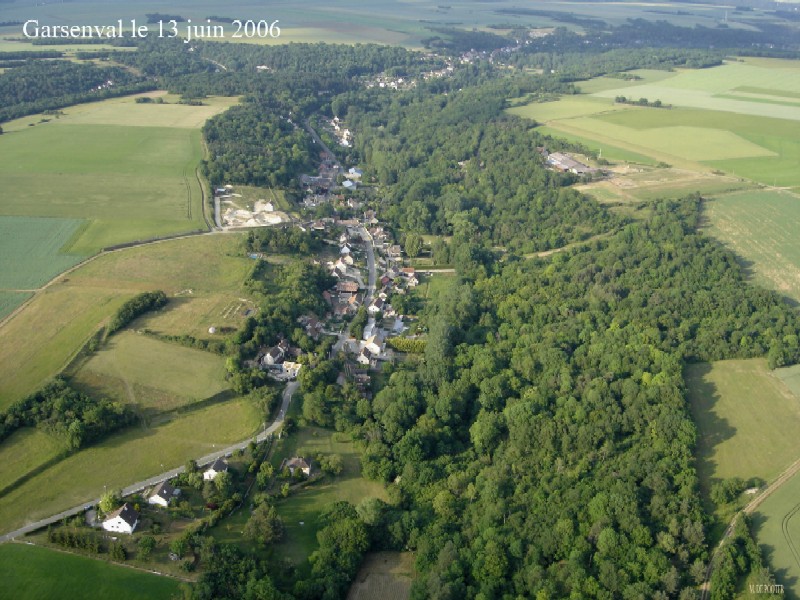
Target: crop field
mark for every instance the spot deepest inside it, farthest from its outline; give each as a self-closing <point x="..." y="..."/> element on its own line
<point x="305" y="506"/>
<point x="385" y="575"/>
<point x="152" y="374"/>
<point x="9" y="301"/>
<point x="30" y="250"/>
<point x="32" y="573"/>
<point x="742" y="118"/>
<point x="746" y="418"/>
<point x="761" y="227"/>
<point x="122" y="459"/>
<point x="776" y="526"/>
<point x="132" y="182"/>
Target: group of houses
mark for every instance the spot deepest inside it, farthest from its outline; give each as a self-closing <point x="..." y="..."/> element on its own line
<point x="125" y="519"/>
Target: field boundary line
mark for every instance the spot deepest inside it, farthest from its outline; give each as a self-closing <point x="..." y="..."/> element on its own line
<point x="785" y="476"/>
<point x="107" y="561"/>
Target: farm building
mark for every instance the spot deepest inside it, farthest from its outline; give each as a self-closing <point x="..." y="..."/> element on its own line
<point x="122" y="520"/>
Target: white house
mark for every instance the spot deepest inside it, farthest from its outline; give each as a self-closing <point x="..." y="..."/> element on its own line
<point x="295" y="463"/>
<point x="345" y="250"/>
<point x="122" y="520"/>
<point x="218" y="466"/>
<point x="376" y="306"/>
<point x="162" y="494"/>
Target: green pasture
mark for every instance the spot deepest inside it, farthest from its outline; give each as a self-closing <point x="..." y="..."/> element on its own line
<point x="600" y="84"/>
<point x="9" y="301"/>
<point x="610" y="151"/>
<point x="790" y="376"/>
<point x="306" y="505"/>
<point x="705" y="88"/>
<point x="132" y="182"/>
<point x="202" y="276"/>
<point x="32" y="573"/>
<point x="152" y="374"/>
<point x="568" y="107"/>
<point x="32" y="448"/>
<point x="746" y="418"/>
<point x="776" y="526"/>
<point x="31" y="250"/>
<point x="132" y="455"/>
<point x="761" y="228"/>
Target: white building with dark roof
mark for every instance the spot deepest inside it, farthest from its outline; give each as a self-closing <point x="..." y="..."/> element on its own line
<point x="123" y="520"/>
<point x="218" y="466"/>
<point x="162" y="494"/>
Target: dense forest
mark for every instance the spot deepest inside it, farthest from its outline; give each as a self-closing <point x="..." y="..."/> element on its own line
<point x="539" y="445"/>
<point x="40" y="85"/>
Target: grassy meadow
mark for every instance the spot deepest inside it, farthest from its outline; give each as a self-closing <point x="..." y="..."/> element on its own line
<point x="195" y="273"/>
<point x="132" y="455"/>
<point x="745" y="417"/>
<point x="155" y="376"/>
<point x="761" y="227"/>
<point x="776" y="526"/>
<point x="305" y="506"/>
<point x="32" y="449"/>
<point x="33" y="573"/>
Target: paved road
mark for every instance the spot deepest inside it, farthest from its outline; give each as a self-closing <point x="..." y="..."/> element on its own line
<point x="749" y="509"/>
<point x="372" y="278"/>
<point x="318" y="139"/>
<point x="140" y="485"/>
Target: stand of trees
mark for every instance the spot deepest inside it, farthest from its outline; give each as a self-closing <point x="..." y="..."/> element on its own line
<point x="136" y="307"/>
<point x="74" y="417"/>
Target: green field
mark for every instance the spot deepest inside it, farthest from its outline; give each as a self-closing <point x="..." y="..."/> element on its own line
<point x="118" y="461"/>
<point x="205" y="273"/>
<point x="741" y="118"/>
<point x="761" y="227"/>
<point x="10" y="301"/>
<point x="34" y="573"/>
<point x="31" y="250"/>
<point x="132" y="182"/>
<point x="776" y="526"/>
<point x="746" y="418"/>
<point x="152" y="374"/>
<point x="32" y="449"/>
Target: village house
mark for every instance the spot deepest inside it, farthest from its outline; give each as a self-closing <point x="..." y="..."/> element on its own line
<point x="218" y="466"/>
<point x="375" y="307"/>
<point x="348" y="287"/>
<point x="297" y="463"/>
<point x="162" y="494"/>
<point x="123" y="520"/>
<point x="394" y="251"/>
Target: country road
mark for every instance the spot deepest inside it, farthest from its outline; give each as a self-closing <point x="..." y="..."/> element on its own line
<point x="140" y="485"/>
<point x="749" y="509"/>
<point x="372" y="275"/>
